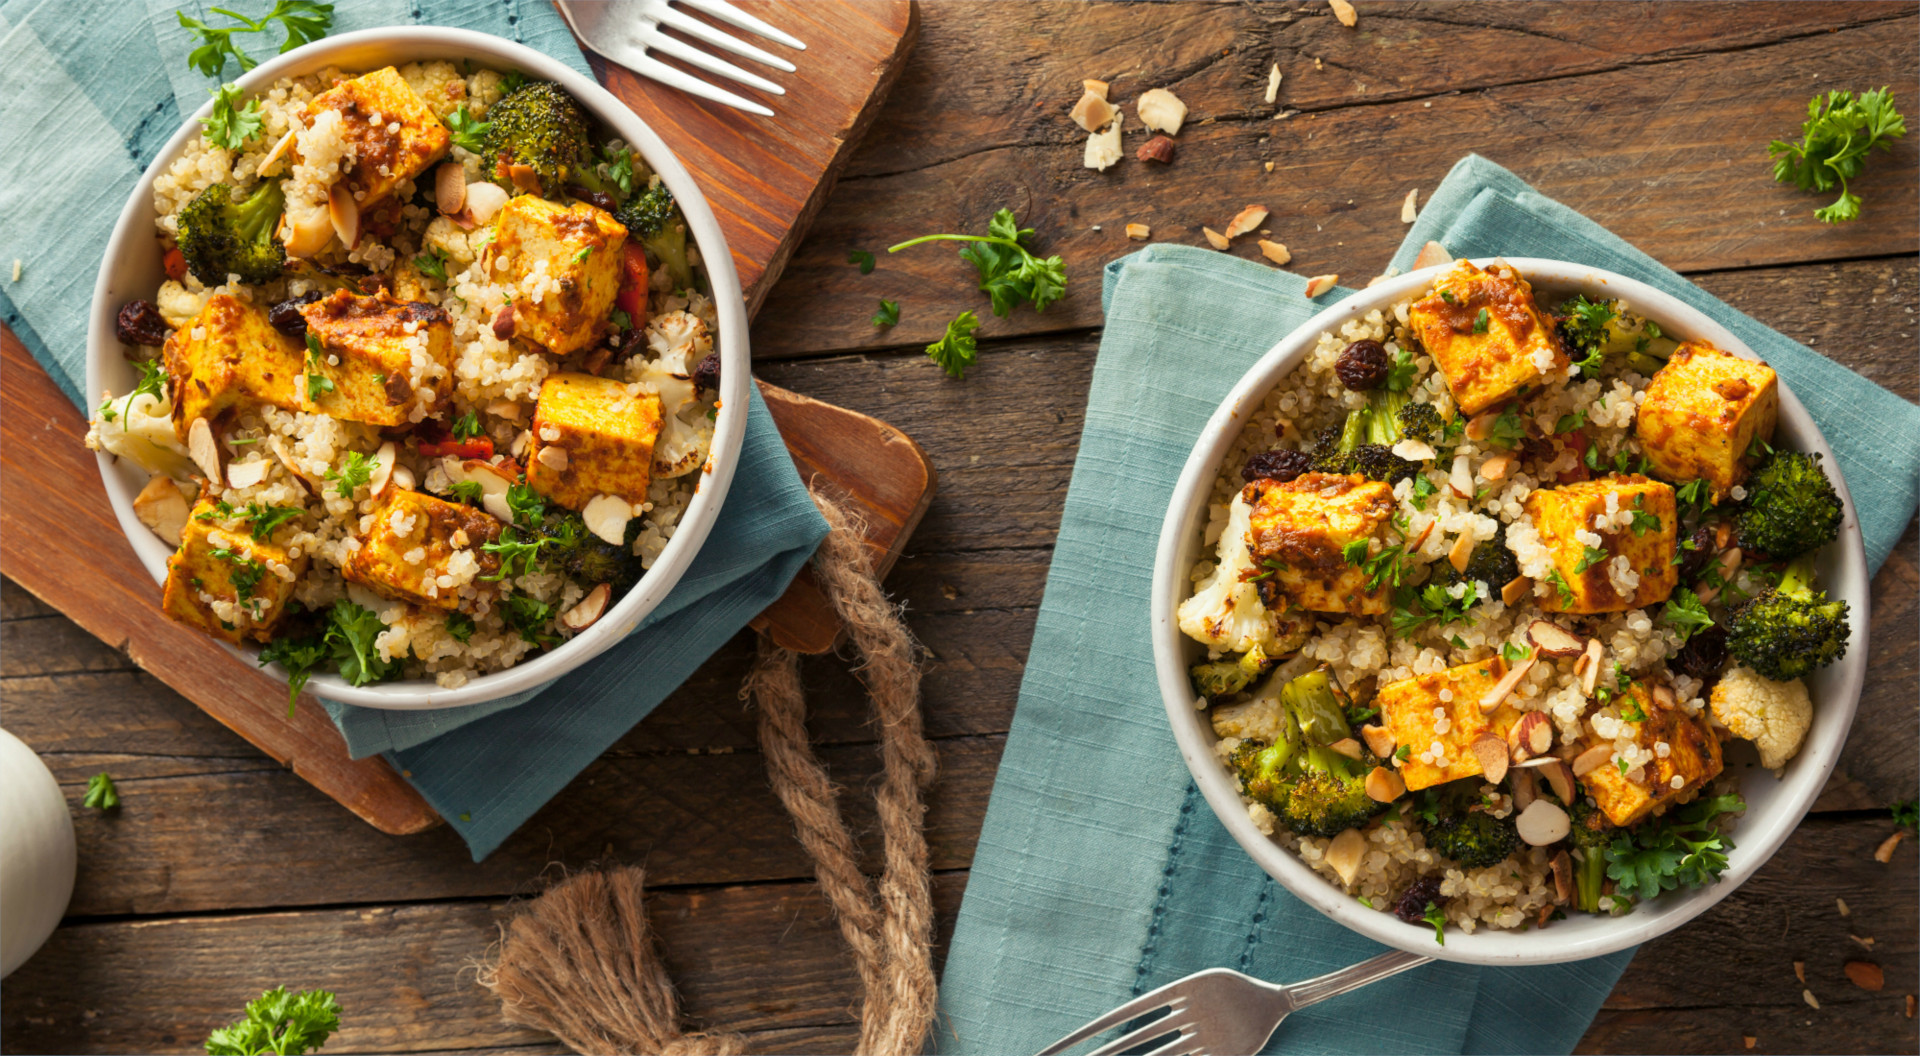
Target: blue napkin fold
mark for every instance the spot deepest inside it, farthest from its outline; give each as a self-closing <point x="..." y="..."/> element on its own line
<point x="1100" y="873"/>
<point x="92" y="93"/>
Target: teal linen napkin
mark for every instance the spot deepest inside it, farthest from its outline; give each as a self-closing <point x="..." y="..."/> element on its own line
<point x="92" y="93"/>
<point x="1100" y="872"/>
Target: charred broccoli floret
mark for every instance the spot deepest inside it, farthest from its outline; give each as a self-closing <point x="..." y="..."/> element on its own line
<point x="221" y="237"/>
<point x="1790" y="507"/>
<point x="1491" y="563"/>
<point x="1330" y="795"/>
<point x="652" y="218"/>
<point x="1230" y="675"/>
<point x="1590" y="836"/>
<point x="1790" y="631"/>
<point x="1456" y="830"/>
<point x="1421" y="421"/>
<point x="1311" y="788"/>
<point x="540" y="126"/>
<point x="1364" y="444"/>
<point x="566" y="545"/>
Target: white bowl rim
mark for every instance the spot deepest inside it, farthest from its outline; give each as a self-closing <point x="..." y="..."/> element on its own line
<point x="1758" y="835"/>
<point x="371" y="49"/>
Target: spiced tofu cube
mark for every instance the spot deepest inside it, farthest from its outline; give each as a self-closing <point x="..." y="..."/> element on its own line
<point x="1489" y="339"/>
<point x="392" y="131"/>
<point x="1690" y="759"/>
<point x="229" y="357"/>
<point x="1703" y="411"/>
<point x="562" y="265"/>
<point x="424" y="550"/>
<point x="1611" y="542"/>
<point x="1441" y="711"/>
<point x="225" y="583"/>
<point x="592" y="436"/>
<point x="379" y="360"/>
<point x="1299" y="531"/>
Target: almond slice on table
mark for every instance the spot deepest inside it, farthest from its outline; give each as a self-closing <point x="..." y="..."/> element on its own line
<point x="1273" y="83"/>
<point x="246" y="474"/>
<point x="1462" y="552"/>
<point x="450" y="188"/>
<point x="1103" y="149"/>
<point x="1161" y="111"/>
<point x="1098" y="88"/>
<point x="205" y="453"/>
<point x="1246" y="220"/>
<point x="606" y="516"/>
<point x="1343" y="10"/>
<point x="162" y="508"/>
<point x="382" y="469"/>
<point x="1409" y="209"/>
<point x="1274" y="251"/>
<point x="1159" y="149"/>
<point x="1320" y="284"/>
<point x="344" y="213"/>
<point x="1502" y="689"/>
<point x="1542" y="824"/>
<point x="1882" y="854"/>
<point x="1529" y="737"/>
<point x="1138" y="232"/>
<point x="1491" y="752"/>
<point x="1092" y="112"/>
<point x="1385" y="786"/>
<point x="1515" y="589"/>
<point x="590" y="609"/>
<point x="1215" y="238"/>
<point x="1379" y="741"/>
<point x="1345" y="853"/>
<point x="1431" y="254"/>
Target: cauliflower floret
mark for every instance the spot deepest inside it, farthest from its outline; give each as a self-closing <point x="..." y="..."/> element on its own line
<point x="140" y="428"/>
<point x="1773" y="715"/>
<point x="1260" y="719"/>
<point x="1226" y="612"/>
<point x="179" y="305"/>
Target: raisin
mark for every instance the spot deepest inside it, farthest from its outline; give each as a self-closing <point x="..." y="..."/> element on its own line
<point x="286" y="318"/>
<point x="1363" y="365"/>
<point x="1281" y="464"/>
<point x="139" y="323"/>
<point x="1412" y="904"/>
<point x="1694" y="560"/>
<point x="707" y="374"/>
<point x="1704" y="654"/>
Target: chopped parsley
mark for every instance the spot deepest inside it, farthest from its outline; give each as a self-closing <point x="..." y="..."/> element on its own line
<point x="622" y="322"/>
<point x="355" y="471"/>
<point x="460" y="626"/>
<point x="467" y="426"/>
<point x="1423" y="489"/>
<point x="1560" y="584"/>
<point x="318" y="384"/>
<point x="231" y="126"/>
<point x="467" y="491"/>
<point x="432" y="264"/>
<point x="1508" y="429"/>
<point x="956" y="351"/>
<point x="862" y="258"/>
<point x="1481" y="321"/>
<point x="1589" y="557"/>
<point x="1512" y="652"/>
<point x="245" y="574"/>
<point x="101" y="793"/>
<point x="469" y="132"/>
<point x="888" y="315"/>
<point x="1686" y="614"/>
<point x="266" y="519"/>
<point x="1401" y="372"/>
<point x="585" y="252"/>
<point x="1433" y="914"/>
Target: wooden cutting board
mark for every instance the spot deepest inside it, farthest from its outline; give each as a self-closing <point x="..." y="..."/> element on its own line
<point x="765" y="178"/>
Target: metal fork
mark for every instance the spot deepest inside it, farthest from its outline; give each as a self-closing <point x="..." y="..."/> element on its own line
<point x="624" y="31"/>
<point x="1221" y="1011"/>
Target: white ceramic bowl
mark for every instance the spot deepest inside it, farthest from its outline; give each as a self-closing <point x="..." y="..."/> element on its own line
<point x="131" y="269"/>
<point x="1774" y="807"/>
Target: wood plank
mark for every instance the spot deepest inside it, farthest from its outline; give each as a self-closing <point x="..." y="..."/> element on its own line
<point x="1674" y="163"/>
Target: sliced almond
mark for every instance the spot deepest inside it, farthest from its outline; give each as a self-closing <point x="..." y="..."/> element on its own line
<point x="1415" y="450"/>
<point x="1494" y="697"/>
<point x="1543" y="824"/>
<point x="1246" y="220"/>
<point x="1460" y="478"/>
<point x="504" y="409"/>
<point x="1664" y="699"/>
<point x="1274" y="251"/>
<point x="1320" y="284"/>
<point x="450" y="188"/>
<point x="403" y="478"/>
<point x="162" y="508"/>
<point x="1530" y="737"/>
<point x="1273" y="83"/>
<point x="344" y="213"/>
<point x="1409" y="209"/>
<point x="1592" y="759"/>
<point x="1553" y="640"/>
<point x="607" y="516"/>
<point x="1497" y="467"/>
<point x="1525" y="789"/>
<point x="1480" y="426"/>
<point x="1345" y="853"/>
<point x="554" y="458"/>
<point x="1491" y="752"/>
<point x="1161" y="111"/>
<point x="382" y="469"/>
<point x="1385" y="786"/>
<point x="1866" y="975"/>
<point x="1461" y="553"/>
<point x="285" y="456"/>
<point x="247" y="474"/>
<point x="1515" y="589"/>
<point x="278" y="154"/>
<point x="1588" y="667"/>
<point x="484" y="200"/>
<point x="1343" y="10"/>
<point x="1346" y="746"/>
<point x="304" y="228"/>
<point x="1103" y="149"/>
<point x="205" y="453"/>
<point x="1092" y="112"/>
<point x="590" y="609"/>
<point x="1421" y="539"/>
<point x="1884" y="852"/>
<point x="1560" y="776"/>
<point x="1431" y="254"/>
<point x="1562" y="866"/>
<point x="1215" y="238"/>
<point x="1378" y="740"/>
<point x="1729" y="563"/>
<point x="493" y="482"/>
<point x="1138" y="232"/>
<point x="1098" y="88"/>
<point x="505" y="324"/>
<point x="1159" y="149"/>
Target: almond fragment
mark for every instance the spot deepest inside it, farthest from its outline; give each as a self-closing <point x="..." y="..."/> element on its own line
<point x="1912" y="1000"/>
<point x="1491" y="751"/>
<point x="1320" y="284"/>
<point x="1421" y="539"/>
<point x="1378" y="739"/>
<point x="1884" y="852"/>
<point x="162" y="508"/>
<point x="554" y="458"/>
<point x="1343" y="10"/>
<point x="1560" y="777"/>
<point x="286" y="459"/>
<point x="1092" y="112"/>
<point x="1497" y="467"/>
<point x="1729" y="562"/>
<point x="1246" y="220"/>
<point x="484" y="200"/>
<point x="403" y="478"/>
<point x="493" y="482"/>
<point x="1525" y="789"/>
<point x="1516" y="588"/>
<point x="1415" y="450"/>
<point x="1588" y="667"/>
<point x="205" y="453"/>
<point x="503" y="322"/>
<point x="1215" y="238"/>
<point x="1431" y="254"/>
<point x="1273" y="83"/>
<point x="1385" y="786"/>
<point x="246" y="474"/>
<point x="280" y="149"/>
<point x="1553" y="640"/>
<point x="382" y="469"/>
<point x="1592" y="759"/>
<point x="1346" y="746"/>
<point x="450" y="188"/>
<point x="1274" y="251"/>
<point x="1161" y="111"/>
<point x="1462" y="551"/>
<point x="1562" y="866"/>
<point x="1098" y="88"/>
<point x="1480" y="426"/>
<point x="1529" y="737"/>
<point x="1542" y="824"/>
<point x="1159" y="149"/>
<point x="1501" y="689"/>
<point x="1866" y="975"/>
<point x="504" y="409"/>
<point x="1345" y="853"/>
<point x="583" y="615"/>
<point x="344" y="213"/>
<point x="1664" y="699"/>
<point x="606" y="516"/>
<point x="1138" y="232"/>
<point x="1749" y="1040"/>
<point x="1460" y="479"/>
<point x="1409" y="208"/>
<point x="1800" y="972"/>
<point x="1103" y="149"/>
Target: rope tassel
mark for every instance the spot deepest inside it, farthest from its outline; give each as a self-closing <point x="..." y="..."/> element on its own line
<point x="581" y="963"/>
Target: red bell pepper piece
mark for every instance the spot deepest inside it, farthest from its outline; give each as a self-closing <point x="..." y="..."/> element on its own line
<point x="634" y="279"/>
<point x="479" y="447"/>
<point x="175" y="263"/>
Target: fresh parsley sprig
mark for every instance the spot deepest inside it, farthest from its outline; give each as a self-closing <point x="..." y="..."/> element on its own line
<point x="888" y="315"/>
<point x="1686" y="614"/>
<point x="1840" y="131"/>
<point x="469" y="132"/>
<point x="956" y="351"/>
<point x="1010" y="273"/>
<point x="304" y="20"/>
<point x="287" y="1024"/>
<point x="1683" y="849"/>
<point x="231" y="124"/>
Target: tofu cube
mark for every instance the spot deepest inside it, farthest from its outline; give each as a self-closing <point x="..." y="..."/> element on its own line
<point x="395" y="358"/>
<point x="393" y="131"/>
<point x="1703" y="410"/>
<point x="227" y="583"/>
<point x="591" y="437"/>
<point x="1488" y="337"/>
<point x="229" y="357"/>
<point x="423" y="550"/>
<point x="1692" y="756"/>
<point x="1587" y="527"/>
<point x="1413" y="711"/>
<point x="563" y="266"/>
<point x="1299" y="529"/>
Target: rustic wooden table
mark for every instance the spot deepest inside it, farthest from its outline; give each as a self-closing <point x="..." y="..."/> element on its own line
<point x="223" y="874"/>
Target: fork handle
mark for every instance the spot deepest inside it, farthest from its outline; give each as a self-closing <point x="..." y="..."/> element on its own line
<point x="1333" y="984"/>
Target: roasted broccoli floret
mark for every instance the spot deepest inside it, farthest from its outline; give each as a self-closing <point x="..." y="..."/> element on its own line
<point x="652" y="218"/>
<point x="1312" y="789"/>
<point x="1364" y="444"/>
<point x="539" y="126"/>
<point x="221" y="237"/>
<point x="1230" y="675"/>
<point x="1791" y="630"/>
<point x="1330" y="795"/>
<point x="1473" y="838"/>
<point x="1421" y="421"/>
<point x="1491" y="563"/>
<point x="1790" y="507"/>
<point x="567" y="545"/>
<point x="1590" y="836"/>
